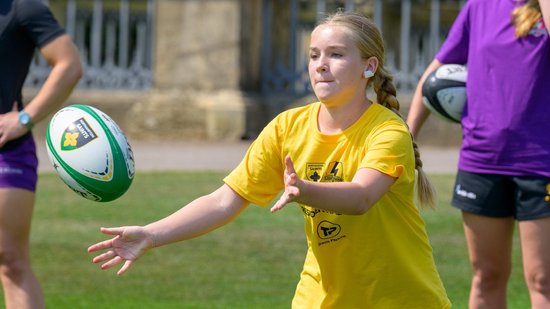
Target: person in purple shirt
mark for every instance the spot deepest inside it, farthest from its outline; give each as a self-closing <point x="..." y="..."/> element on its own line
<point x="504" y="163"/>
<point x="26" y="25"/>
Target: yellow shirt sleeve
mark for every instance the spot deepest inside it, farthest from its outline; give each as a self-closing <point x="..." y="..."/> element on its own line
<point x="389" y="149"/>
<point x="259" y="176"/>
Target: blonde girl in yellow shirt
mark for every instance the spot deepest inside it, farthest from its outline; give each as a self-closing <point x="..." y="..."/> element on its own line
<point x="349" y="163"/>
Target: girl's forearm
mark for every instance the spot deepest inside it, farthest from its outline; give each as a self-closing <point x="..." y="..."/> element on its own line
<point x="342" y="197"/>
<point x="351" y="198"/>
<point x="199" y="217"/>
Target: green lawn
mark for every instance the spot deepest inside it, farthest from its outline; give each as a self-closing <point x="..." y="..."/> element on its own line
<point x="252" y="263"/>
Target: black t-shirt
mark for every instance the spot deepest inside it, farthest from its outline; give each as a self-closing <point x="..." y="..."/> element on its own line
<point x="24" y="26"/>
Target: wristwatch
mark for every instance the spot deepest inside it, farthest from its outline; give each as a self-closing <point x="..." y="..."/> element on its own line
<point x="25" y="119"/>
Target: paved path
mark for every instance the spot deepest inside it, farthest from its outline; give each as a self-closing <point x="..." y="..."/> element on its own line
<point x="224" y="156"/>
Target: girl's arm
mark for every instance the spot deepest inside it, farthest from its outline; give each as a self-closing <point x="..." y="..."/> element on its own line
<point x="352" y="198"/>
<point x="199" y="217"/>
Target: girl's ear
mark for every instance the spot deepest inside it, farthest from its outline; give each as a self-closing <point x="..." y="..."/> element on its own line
<point x="371" y="67"/>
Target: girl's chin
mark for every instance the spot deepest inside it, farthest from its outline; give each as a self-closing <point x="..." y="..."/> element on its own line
<point x="323" y="94"/>
<point x="324" y="90"/>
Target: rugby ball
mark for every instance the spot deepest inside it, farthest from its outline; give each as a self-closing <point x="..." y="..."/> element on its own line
<point x="444" y="91"/>
<point x="90" y="153"/>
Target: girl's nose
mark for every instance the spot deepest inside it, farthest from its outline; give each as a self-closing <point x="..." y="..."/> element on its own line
<point x="322" y="68"/>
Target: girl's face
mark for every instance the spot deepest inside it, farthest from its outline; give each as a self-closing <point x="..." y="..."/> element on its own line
<point x="335" y="66"/>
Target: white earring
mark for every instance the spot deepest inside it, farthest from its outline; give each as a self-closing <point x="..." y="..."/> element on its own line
<point x="368" y="73"/>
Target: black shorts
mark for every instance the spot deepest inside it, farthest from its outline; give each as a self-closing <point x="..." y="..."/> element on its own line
<point x="521" y="197"/>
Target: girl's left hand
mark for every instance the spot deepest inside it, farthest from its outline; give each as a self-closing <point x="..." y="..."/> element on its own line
<point x="292" y="190"/>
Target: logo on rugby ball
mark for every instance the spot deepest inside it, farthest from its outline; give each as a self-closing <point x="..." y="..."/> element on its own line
<point x="76" y="135"/>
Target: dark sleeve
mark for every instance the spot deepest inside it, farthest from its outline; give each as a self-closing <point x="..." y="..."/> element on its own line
<point x="38" y="22"/>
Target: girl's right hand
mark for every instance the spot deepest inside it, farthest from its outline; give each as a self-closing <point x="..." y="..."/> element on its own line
<point x="129" y="243"/>
<point x="292" y="191"/>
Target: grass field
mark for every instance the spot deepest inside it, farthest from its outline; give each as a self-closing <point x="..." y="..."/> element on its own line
<point x="252" y="263"/>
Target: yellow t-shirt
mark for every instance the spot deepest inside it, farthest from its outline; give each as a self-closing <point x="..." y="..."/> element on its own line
<point x="381" y="259"/>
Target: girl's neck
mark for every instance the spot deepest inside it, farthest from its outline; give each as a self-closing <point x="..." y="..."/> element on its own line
<point x="336" y="119"/>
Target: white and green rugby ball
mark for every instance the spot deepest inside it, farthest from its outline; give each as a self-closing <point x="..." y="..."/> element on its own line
<point x="90" y="153"/>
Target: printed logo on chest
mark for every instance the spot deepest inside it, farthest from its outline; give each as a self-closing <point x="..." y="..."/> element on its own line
<point x="322" y="172"/>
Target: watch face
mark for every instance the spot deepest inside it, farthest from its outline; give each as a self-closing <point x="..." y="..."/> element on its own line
<point x="25" y="119"/>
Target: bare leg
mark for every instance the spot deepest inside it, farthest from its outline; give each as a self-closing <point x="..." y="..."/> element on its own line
<point x="535" y="237"/>
<point x="490" y="250"/>
<point x="21" y="288"/>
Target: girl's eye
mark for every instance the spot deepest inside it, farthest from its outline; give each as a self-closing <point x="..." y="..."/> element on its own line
<point x="313" y="56"/>
<point x="336" y="55"/>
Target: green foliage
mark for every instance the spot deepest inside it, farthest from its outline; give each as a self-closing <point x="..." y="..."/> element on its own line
<point x="254" y="262"/>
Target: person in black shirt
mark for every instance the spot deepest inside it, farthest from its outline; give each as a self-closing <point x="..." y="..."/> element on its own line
<point x="26" y="25"/>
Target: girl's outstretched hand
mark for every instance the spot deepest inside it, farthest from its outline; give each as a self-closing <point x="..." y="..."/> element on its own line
<point x="291" y="186"/>
<point x="129" y="243"/>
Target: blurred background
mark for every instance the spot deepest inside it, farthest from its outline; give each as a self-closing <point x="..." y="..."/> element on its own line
<point x="219" y="70"/>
